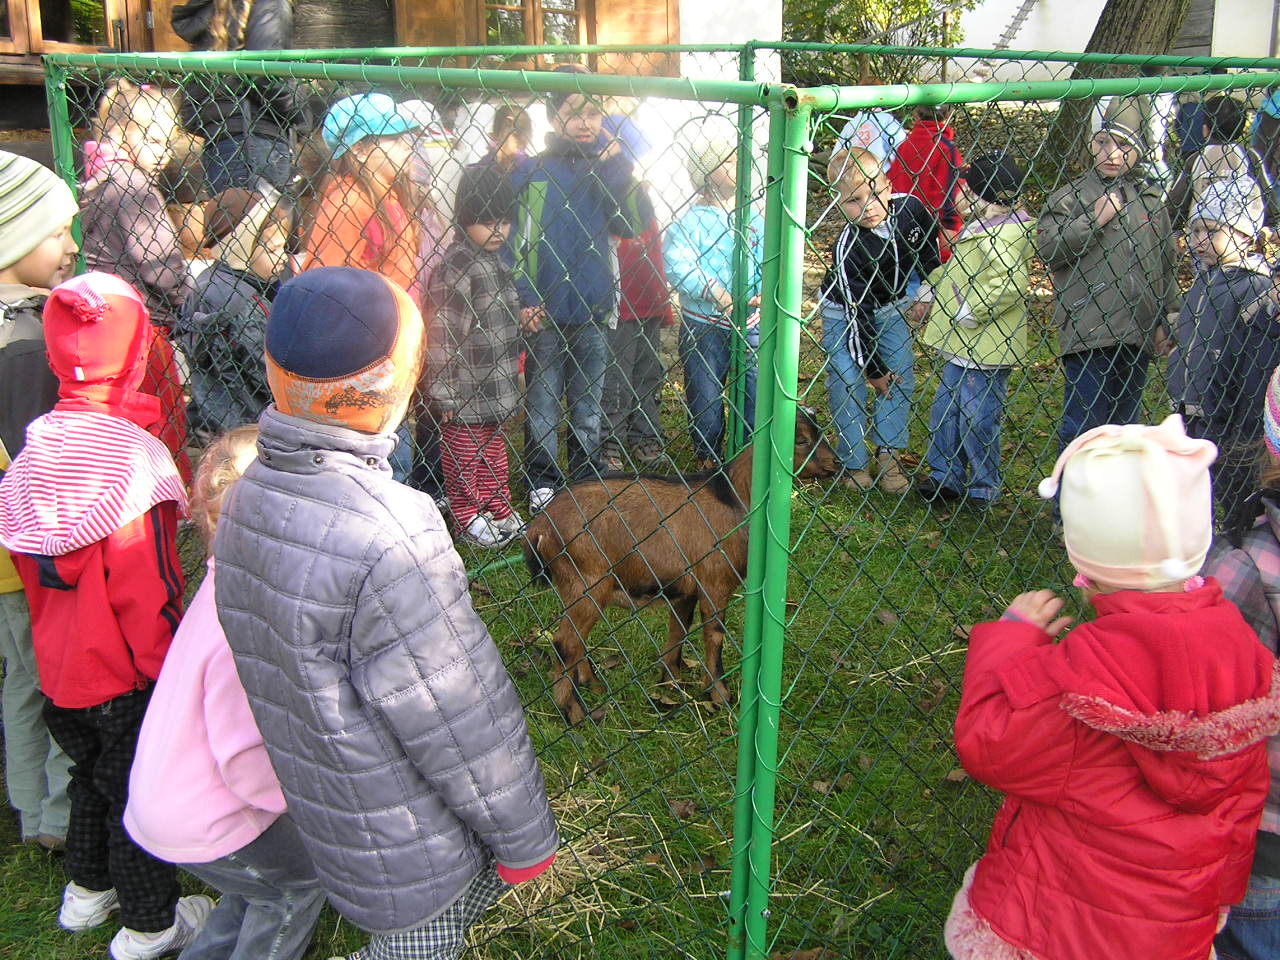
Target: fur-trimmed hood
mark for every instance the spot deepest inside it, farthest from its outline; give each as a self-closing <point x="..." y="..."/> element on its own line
<point x="1184" y="709"/>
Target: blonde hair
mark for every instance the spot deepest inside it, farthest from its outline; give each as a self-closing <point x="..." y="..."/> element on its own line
<point x="118" y="107"/>
<point x="853" y="166"/>
<point x="220" y="467"/>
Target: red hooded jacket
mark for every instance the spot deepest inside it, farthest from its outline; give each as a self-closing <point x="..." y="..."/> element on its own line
<point x="928" y="166"/>
<point x="1133" y="757"/>
<point x="90" y="506"/>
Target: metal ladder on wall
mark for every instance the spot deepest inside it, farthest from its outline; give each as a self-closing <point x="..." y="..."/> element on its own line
<point x="1015" y="24"/>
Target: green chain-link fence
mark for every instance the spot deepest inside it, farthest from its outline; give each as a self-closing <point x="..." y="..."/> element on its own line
<point x="826" y="810"/>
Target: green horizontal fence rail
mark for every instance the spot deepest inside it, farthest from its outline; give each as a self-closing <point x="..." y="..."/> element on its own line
<point x="772" y="645"/>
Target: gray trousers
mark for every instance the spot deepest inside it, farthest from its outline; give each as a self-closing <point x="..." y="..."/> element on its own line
<point x="633" y="382"/>
<point x="270" y="901"/>
<point x="36" y="769"/>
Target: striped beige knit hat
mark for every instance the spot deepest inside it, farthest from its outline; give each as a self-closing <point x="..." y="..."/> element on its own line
<point x="34" y="204"/>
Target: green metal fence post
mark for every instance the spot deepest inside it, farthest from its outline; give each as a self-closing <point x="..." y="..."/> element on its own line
<point x="753" y="616"/>
<point x="736" y="427"/>
<point x="781" y="442"/>
<point x="61" y="132"/>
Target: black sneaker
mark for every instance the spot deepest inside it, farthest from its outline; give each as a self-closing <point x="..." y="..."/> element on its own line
<point x="932" y="491"/>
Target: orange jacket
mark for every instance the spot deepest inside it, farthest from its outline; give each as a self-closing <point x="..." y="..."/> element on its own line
<point x="348" y="232"/>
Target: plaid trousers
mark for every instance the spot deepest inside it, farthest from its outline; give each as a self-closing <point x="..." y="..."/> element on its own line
<point x="101" y="742"/>
<point x="444" y="937"/>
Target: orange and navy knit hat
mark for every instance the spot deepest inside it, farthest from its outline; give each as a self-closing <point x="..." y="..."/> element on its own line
<point x="344" y="347"/>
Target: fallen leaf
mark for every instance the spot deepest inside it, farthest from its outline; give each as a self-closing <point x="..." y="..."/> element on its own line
<point x="846" y="781"/>
<point x="664" y="701"/>
<point x="652" y="858"/>
<point x="598" y="714"/>
<point x="706" y="863"/>
<point x="937" y="693"/>
<point x="683" y="809"/>
<point x="956" y="776"/>
<point x="481" y="589"/>
<point x="614" y="660"/>
<point x="815" y="953"/>
<point x="628" y="924"/>
<point x="865" y="762"/>
<point x="599" y="852"/>
<point x="962" y="631"/>
<point x="822" y="786"/>
<point x="887" y="617"/>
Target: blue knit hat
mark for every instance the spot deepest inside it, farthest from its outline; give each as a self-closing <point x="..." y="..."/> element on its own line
<point x="353" y="119"/>
<point x="343" y="347"/>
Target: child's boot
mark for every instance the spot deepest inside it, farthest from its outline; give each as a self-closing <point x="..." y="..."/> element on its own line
<point x="889" y="475"/>
<point x="188" y="917"/>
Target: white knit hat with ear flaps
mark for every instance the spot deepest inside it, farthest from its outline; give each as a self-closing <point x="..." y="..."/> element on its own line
<point x="1137" y="511"/>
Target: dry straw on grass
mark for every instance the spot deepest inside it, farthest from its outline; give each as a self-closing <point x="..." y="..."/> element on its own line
<point x="607" y="859"/>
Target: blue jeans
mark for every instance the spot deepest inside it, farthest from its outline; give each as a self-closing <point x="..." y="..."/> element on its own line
<point x="270" y="900"/>
<point x="241" y="160"/>
<point x="401" y="458"/>
<point x="964" y="445"/>
<point x="705" y="353"/>
<point x="847" y="385"/>
<point x="564" y="361"/>
<point x="1253" y="929"/>
<point x="1102" y="386"/>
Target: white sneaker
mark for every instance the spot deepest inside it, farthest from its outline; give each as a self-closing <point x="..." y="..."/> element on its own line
<point x="512" y="526"/>
<point x="189" y="917"/>
<point x="484" y="531"/>
<point x="84" y="909"/>
<point x="539" y="498"/>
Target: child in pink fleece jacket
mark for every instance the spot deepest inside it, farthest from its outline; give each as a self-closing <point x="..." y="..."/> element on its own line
<point x="202" y="793"/>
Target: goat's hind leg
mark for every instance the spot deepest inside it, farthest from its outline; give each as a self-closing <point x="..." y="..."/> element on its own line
<point x="713" y="648"/>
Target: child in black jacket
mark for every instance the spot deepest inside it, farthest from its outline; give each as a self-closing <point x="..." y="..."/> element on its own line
<point x="864" y="312"/>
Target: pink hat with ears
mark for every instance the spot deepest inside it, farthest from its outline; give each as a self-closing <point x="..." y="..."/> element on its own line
<point x="1137" y="510"/>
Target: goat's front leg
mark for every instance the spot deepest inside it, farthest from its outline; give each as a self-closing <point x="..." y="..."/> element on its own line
<point x="671" y="669"/>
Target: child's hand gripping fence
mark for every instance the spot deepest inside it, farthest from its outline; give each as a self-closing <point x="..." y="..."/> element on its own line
<point x="678" y="267"/>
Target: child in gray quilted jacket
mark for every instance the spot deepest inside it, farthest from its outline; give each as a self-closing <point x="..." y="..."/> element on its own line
<point x="398" y="736"/>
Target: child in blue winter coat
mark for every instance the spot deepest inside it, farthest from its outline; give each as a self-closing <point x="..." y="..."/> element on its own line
<point x="1225" y="351"/>
<point x="573" y="197"/>
<point x="699" y="253"/>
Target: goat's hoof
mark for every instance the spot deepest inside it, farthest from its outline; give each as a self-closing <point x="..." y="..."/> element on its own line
<point x="720" y="696"/>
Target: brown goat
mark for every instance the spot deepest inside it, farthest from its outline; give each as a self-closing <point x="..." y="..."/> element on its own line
<point x="629" y="540"/>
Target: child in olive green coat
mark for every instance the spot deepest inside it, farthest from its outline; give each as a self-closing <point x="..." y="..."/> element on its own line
<point x="978" y="325"/>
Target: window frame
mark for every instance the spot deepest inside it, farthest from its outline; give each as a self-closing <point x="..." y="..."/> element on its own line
<point x="112" y="10"/>
<point x="533" y="11"/>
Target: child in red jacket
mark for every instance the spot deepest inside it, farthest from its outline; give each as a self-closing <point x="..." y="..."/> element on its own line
<point x="90" y="510"/>
<point x="1132" y="753"/>
<point x="928" y="166"/>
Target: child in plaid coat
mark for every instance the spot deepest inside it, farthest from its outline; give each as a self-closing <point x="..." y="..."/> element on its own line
<point x="473" y="346"/>
<point x="1247" y="565"/>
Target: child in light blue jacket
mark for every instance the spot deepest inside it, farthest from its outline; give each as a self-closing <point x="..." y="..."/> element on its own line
<point x="699" y="251"/>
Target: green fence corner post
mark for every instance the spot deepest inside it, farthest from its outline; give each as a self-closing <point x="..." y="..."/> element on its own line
<point x="61" y="132"/>
<point x="784" y="372"/>
<point x="753" y="616"/>
<point x="736" y="427"/>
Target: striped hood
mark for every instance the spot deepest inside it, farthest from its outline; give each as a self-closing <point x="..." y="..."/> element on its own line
<point x="82" y="476"/>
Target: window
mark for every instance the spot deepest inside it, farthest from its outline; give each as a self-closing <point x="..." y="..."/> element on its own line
<point x="539" y="22"/>
<point x="82" y="22"/>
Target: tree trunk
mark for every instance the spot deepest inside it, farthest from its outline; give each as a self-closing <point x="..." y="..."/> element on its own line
<point x="1126" y="26"/>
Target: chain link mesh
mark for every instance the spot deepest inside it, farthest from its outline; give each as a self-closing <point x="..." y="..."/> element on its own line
<point x="874" y="821"/>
